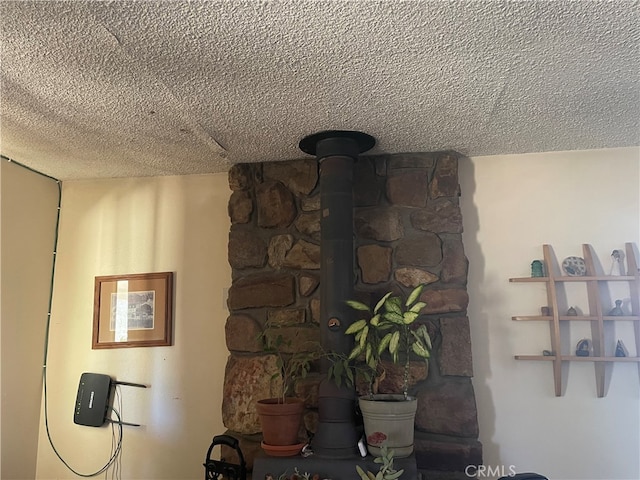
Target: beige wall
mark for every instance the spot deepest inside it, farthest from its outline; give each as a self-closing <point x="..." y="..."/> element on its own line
<point x="28" y="215"/>
<point x="138" y="225"/>
<point x="511" y="205"/>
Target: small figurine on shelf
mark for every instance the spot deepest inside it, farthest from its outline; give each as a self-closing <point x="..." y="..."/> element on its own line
<point x="572" y="312"/>
<point x="537" y="268"/>
<point x="546" y="311"/>
<point x="617" y="268"/>
<point x="621" y="349"/>
<point x="583" y="348"/>
<point x="617" y="310"/>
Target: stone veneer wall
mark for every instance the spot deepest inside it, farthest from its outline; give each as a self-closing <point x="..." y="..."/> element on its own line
<point x="408" y="229"/>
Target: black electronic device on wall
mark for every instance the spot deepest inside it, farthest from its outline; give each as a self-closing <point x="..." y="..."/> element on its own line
<point x="93" y="398"/>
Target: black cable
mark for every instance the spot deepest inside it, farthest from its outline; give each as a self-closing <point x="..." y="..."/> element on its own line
<point x="113" y="457"/>
<point x="117" y="465"/>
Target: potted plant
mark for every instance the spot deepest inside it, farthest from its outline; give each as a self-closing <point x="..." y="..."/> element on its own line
<point x="390" y="329"/>
<point x="281" y="414"/>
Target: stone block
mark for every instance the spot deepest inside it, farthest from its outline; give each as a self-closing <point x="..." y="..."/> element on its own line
<point x="408" y="189"/>
<point x="367" y="189"/>
<point x="448" y="409"/>
<point x="300" y="176"/>
<point x="455" y="351"/>
<point x="454" y="262"/>
<point x="303" y="255"/>
<point x="394" y="375"/>
<point x="310" y="204"/>
<point x="381" y="224"/>
<point x="295" y="339"/>
<point x="424" y="250"/>
<point x="275" y="204"/>
<point x="307" y="284"/>
<point x="288" y="316"/>
<point x="314" y="306"/>
<point x="375" y="263"/>
<point x="439" y="216"/>
<point x="444" y="301"/>
<point x="246" y="249"/>
<point x="247" y="380"/>
<point x="412" y="277"/>
<point x="262" y="290"/>
<point x="411" y="160"/>
<point x="445" y="177"/>
<point x="242" y="334"/>
<point x="241" y="176"/>
<point x="240" y="207"/>
<point x="279" y="245"/>
<point x="308" y="223"/>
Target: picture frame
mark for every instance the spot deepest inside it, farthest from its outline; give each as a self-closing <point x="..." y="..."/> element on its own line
<point x="134" y="310"/>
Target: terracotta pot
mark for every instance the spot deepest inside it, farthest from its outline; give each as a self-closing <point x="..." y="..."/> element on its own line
<point x="280" y="421"/>
<point x="389" y="419"/>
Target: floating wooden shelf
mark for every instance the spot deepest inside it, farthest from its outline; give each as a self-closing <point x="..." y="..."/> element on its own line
<point x="599" y="321"/>
<point x="575" y="358"/>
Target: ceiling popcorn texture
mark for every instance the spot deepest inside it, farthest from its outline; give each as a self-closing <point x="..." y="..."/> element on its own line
<point x="137" y="88"/>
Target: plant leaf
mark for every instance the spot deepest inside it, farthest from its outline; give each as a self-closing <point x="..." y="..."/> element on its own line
<point x="384" y="343"/>
<point x="409" y="317"/>
<point x="394" y="475"/>
<point x="362" y="473"/>
<point x="417" y="307"/>
<point x="370" y="358"/>
<point x="420" y="350"/>
<point x="424" y="333"/>
<point x="394" y="317"/>
<point x="363" y="335"/>
<point x="350" y="376"/>
<point x="393" y="304"/>
<point x="357" y="350"/>
<point x="358" y="305"/>
<point x="413" y="296"/>
<point x="356" y="327"/>
<point x="394" y="343"/>
<point x="381" y="302"/>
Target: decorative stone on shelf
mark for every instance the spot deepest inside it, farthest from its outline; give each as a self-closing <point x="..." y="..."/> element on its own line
<point x="583" y="348"/>
<point x="617" y="310"/>
<point x="572" y="312"/>
<point x="547" y="353"/>
<point x="617" y="268"/>
<point x="574" y="266"/>
<point x="537" y="268"/>
<point x="621" y="349"/>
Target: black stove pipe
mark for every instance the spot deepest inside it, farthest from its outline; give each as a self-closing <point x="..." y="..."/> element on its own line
<point x="337" y="150"/>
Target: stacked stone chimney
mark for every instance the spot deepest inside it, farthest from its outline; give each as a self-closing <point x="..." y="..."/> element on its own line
<point x="407" y="231"/>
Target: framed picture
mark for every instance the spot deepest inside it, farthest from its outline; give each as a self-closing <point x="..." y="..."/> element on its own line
<point x="133" y="310"/>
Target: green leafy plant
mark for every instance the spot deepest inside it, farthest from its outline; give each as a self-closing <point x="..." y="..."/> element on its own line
<point x="386" y="471"/>
<point x="389" y="328"/>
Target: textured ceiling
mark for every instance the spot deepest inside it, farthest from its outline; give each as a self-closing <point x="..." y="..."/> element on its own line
<point x="135" y="88"/>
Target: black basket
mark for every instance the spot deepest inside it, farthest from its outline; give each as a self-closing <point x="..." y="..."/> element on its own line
<point x="217" y="469"/>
